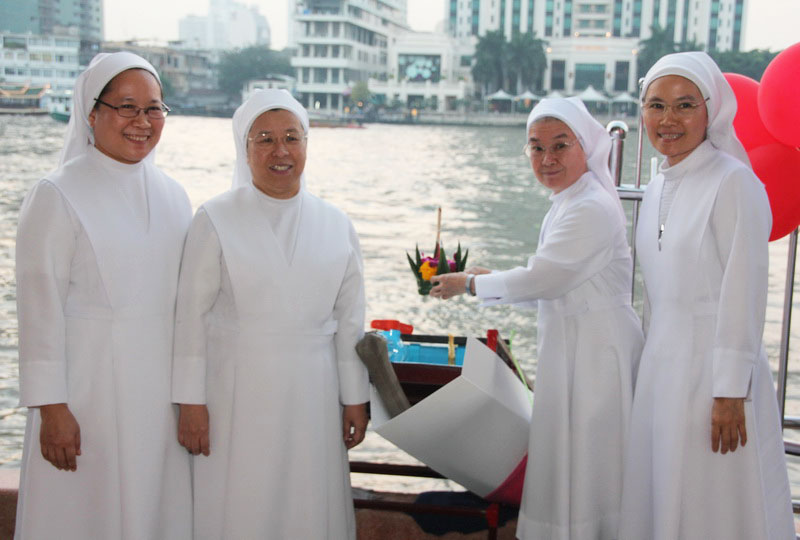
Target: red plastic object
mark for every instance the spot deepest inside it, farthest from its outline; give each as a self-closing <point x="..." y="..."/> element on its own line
<point x="491" y="339"/>
<point x="391" y="324"/>
<point x="510" y="490"/>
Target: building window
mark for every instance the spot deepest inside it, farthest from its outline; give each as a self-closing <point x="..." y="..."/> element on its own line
<point x="557" y="72"/>
<point x="589" y="74"/>
<point x="621" y="70"/>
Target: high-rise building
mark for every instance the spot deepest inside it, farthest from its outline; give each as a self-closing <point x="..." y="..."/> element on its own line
<point x="595" y="41"/>
<point x="76" y="18"/>
<point x="229" y="25"/>
<point x="339" y="43"/>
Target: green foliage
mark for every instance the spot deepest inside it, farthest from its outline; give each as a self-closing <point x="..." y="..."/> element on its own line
<point x="660" y="43"/>
<point x="424" y="286"/>
<point x="509" y="64"/>
<point x="240" y="65"/>
<point x="167" y="88"/>
<point x="526" y="61"/>
<point x="360" y="92"/>
<point x="490" y="60"/>
<point x="750" y="63"/>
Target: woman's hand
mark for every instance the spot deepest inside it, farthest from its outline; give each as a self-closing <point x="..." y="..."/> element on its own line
<point x="448" y="285"/>
<point x="727" y="424"/>
<point x="193" y="431"/>
<point x="60" y="436"/>
<point x="477" y="270"/>
<point x="354" y="424"/>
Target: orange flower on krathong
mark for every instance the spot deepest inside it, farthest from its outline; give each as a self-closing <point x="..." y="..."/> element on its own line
<point x="427" y="271"/>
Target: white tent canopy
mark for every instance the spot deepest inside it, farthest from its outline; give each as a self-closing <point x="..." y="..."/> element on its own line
<point x="592" y="95"/>
<point x="500" y="95"/>
<point x="555" y="94"/>
<point x="624" y="97"/>
<point x="527" y="94"/>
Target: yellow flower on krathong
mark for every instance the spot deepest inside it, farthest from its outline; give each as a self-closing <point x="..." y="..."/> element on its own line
<point x="427" y="271"/>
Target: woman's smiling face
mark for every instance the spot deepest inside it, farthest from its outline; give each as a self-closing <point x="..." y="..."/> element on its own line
<point x="675" y="117"/>
<point x="128" y="140"/>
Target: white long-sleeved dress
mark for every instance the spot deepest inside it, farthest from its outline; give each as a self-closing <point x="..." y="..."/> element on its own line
<point x="269" y="312"/>
<point x="98" y="253"/>
<point x="589" y="341"/>
<point x="706" y="282"/>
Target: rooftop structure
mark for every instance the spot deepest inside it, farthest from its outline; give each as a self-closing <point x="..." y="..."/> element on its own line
<point x="76" y="18"/>
<point x="39" y="60"/>
<point x="229" y="25"/>
<point x="341" y="42"/>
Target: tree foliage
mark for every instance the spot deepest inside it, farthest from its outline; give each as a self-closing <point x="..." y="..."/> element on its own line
<point x="490" y="60"/>
<point x="240" y="65"/>
<point x="510" y="64"/>
<point x="750" y="63"/>
<point x="360" y="92"/>
<point x="526" y="61"/>
<point x="660" y="43"/>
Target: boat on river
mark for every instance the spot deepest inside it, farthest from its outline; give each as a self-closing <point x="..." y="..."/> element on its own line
<point x="59" y="104"/>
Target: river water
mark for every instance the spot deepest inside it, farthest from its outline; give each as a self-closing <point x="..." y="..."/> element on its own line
<point x="390" y="180"/>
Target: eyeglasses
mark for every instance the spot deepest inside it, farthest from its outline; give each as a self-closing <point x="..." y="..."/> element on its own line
<point x="266" y="140"/>
<point x="556" y="150"/>
<point x="683" y="109"/>
<point x="129" y="110"/>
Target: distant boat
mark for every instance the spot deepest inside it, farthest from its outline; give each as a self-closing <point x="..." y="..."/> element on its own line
<point x="22" y="98"/>
<point x="59" y="104"/>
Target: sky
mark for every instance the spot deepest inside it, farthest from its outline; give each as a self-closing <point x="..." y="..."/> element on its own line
<point x="771" y="24"/>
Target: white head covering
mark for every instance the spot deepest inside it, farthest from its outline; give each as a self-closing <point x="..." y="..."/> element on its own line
<point x="699" y="68"/>
<point x="259" y="103"/>
<point x="592" y="136"/>
<point x="88" y="86"/>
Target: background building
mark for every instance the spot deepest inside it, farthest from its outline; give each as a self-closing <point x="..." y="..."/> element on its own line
<point x="229" y="25"/>
<point x="182" y="71"/>
<point x="595" y="41"/>
<point x="76" y="18"/>
<point x="38" y="60"/>
<point x="339" y="43"/>
<point x="424" y="70"/>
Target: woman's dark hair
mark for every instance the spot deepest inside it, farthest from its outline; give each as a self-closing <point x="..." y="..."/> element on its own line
<point x="107" y="88"/>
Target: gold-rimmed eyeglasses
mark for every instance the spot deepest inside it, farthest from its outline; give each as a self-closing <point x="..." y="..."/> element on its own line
<point x="684" y="108"/>
<point x="266" y="140"/>
<point x="558" y="149"/>
<point x="129" y="110"/>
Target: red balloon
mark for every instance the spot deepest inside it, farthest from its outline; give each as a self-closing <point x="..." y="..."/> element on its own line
<point x="778" y="167"/>
<point x="748" y="125"/>
<point x="778" y="101"/>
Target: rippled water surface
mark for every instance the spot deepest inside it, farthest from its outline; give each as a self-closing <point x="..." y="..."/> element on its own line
<point x="390" y="180"/>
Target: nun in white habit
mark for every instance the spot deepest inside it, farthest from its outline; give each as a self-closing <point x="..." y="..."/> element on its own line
<point x="98" y="254"/>
<point x="589" y="337"/>
<point x="270" y="308"/>
<point x="705" y="457"/>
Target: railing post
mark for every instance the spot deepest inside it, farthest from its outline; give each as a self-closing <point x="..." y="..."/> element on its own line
<point x="617" y="129"/>
<point x="788" y="294"/>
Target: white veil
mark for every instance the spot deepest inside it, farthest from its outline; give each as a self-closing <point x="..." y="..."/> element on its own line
<point x="699" y="68"/>
<point x="594" y="139"/>
<point x="90" y="83"/>
<point x="259" y="103"/>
